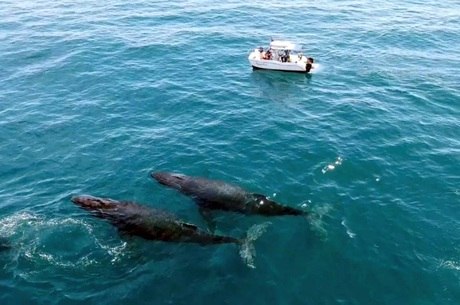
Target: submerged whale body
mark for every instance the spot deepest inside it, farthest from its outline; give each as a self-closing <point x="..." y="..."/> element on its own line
<point x="219" y="195"/>
<point x="148" y="223"/>
<point x="4" y="244"/>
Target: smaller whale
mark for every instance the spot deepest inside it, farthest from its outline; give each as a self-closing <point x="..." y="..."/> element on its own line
<point x="219" y="195"/>
<point x="154" y="224"/>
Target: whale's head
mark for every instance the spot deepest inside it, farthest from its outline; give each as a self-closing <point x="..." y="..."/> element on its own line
<point x="92" y="203"/>
<point x="173" y="180"/>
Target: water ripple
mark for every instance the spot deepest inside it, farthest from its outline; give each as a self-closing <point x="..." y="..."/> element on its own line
<point x="95" y="95"/>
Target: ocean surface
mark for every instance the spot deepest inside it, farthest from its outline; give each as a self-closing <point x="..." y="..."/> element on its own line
<point x="95" y="95"/>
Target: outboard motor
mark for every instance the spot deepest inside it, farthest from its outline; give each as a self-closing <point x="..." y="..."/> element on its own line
<point x="309" y="64"/>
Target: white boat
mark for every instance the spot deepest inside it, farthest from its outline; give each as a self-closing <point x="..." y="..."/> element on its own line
<point x="281" y="55"/>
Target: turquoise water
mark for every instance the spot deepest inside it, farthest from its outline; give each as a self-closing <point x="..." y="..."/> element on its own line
<point x="97" y="94"/>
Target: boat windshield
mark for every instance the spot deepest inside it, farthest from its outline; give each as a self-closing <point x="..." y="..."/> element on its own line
<point x="285" y="45"/>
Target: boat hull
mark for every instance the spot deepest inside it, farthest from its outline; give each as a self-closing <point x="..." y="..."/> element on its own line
<point x="295" y="63"/>
<point x="284" y="70"/>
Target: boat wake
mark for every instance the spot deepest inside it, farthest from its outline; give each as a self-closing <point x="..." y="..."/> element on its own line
<point x="66" y="243"/>
<point x="349" y="232"/>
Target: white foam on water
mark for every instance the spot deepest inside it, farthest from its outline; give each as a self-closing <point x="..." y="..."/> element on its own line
<point x="349" y="232"/>
<point x="305" y="204"/>
<point x="332" y="166"/>
<point x="8" y="225"/>
<point x="116" y="252"/>
<point x="316" y="68"/>
<point x="450" y="264"/>
<point x="27" y="230"/>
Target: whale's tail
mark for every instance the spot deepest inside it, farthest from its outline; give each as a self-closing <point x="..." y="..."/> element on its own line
<point x="246" y="245"/>
<point x="247" y="249"/>
<point x="316" y="219"/>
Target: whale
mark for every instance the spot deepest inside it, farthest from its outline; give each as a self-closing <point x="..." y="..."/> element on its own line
<point x="134" y="219"/>
<point x="219" y="195"/>
<point x="152" y="224"/>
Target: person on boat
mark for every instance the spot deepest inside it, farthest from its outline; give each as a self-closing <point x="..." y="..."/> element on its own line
<point x="287" y="56"/>
<point x="268" y="54"/>
<point x="261" y="53"/>
<point x="309" y="64"/>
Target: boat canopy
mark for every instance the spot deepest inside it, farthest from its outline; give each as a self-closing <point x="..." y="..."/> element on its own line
<point x="284" y="45"/>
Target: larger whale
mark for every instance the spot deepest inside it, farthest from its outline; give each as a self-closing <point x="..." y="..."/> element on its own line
<point x="154" y="224"/>
<point x="220" y="195"/>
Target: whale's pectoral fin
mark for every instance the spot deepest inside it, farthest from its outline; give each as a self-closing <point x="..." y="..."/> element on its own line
<point x="125" y="235"/>
<point x="189" y="226"/>
<point x="124" y="230"/>
<point x="208" y="218"/>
